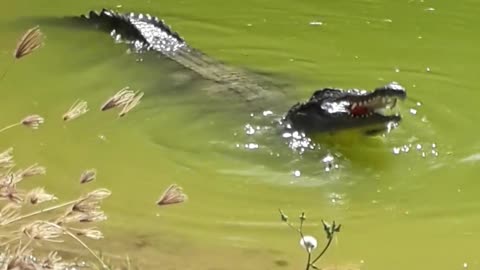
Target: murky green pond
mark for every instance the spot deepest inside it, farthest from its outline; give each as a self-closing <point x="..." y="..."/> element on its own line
<point x="408" y="200"/>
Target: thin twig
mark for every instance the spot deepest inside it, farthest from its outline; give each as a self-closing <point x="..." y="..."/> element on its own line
<point x="22" y="250"/>
<point x="7" y="69"/>
<point x="40" y="212"/>
<point x="324" y="250"/>
<point x="308" y="261"/>
<point x="10" y="241"/>
<point x="67" y="232"/>
<point x="10" y="126"/>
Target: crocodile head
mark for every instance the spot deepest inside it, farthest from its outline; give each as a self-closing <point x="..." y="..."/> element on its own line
<point x="332" y="110"/>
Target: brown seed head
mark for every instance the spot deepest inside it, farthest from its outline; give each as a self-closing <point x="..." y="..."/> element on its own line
<point x="39" y="195"/>
<point x="52" y="261"/>
<point x="88" y="176"/>
<point x="33" y="121"/>
<point x="84" y="217"/>
<point x="33" y="170"/>
<point x="94" y="216"/>
<point x="78" y="108"/>
<point x="99" y="194"/>
<point x="11" y="194"/>
<point x="172" y="195"/>
<point x="85" y="206"/>
<point x="122" y="97"/>
<point x="9" y="180"/>
<point x="42" y="230"/>
<point x="6" y="158"/>
<point x="131" y="104"/>
<point x="90" y="233"/>
<point x="30" y="41"/>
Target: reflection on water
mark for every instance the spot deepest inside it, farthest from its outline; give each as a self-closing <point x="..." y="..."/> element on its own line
<point x="266" y="135"/>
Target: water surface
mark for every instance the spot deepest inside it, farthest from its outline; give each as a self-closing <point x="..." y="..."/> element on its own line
<point x="407" y="200"/>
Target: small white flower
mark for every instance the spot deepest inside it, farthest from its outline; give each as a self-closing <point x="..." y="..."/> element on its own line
<point x="309" y="243"/>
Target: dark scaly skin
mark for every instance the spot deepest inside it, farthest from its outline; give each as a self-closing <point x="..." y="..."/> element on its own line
<point x="319" y="113"/>
<point x="146" y="32"/>
<point x="323" y="112"/>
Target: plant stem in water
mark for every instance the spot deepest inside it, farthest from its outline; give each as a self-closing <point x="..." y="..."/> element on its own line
<point x="9" y="127"/>
<point x="308" y="261"/>
<point x="67" y="232"/>
<point x="39" y="212"/>
<point x="7" y="70"/>
<point x="324" y="250"/>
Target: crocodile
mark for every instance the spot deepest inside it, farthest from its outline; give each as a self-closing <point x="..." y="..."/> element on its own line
<point x="333" y="109"/>
<point x="327" y="110"/>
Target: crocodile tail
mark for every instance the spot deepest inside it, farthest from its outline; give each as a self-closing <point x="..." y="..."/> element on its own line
<point x="113" y="23"/>
<point x="142" y="30"/>
<point x="146" y="32"/>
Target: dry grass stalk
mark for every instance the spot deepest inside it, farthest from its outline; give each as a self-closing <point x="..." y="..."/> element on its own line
<point x="23" y="259"/>
<point x="29" y="42"/>
<point x="73" y="236"/>
<point x="173" y="194"/>
<point x="6" y="159"/>
<point x="122" y="97"/>
<point x="125" y="99"/>
<point x="85" y="209"/>
<point x="88" y="176"/>
<point x="38" y="195"/>
<point x="79" y="108"/>
<point x="32" y="121"/>
<point x="91" y="233"/>
<point x="43" y="230"/>
<point x="33" y="170"/>
<point x="131" y="104"/>
<point x="11" y="194"/>
<point x="9" y="212"/>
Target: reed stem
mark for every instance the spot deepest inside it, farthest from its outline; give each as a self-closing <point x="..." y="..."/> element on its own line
<point x="9" y="127"/>
<point x="10" y="65"/>
<point x="39" y="212"/>
<point x="67" y="232"/>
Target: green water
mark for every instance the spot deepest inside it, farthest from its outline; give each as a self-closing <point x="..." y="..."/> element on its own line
<point x="408" y="200"/>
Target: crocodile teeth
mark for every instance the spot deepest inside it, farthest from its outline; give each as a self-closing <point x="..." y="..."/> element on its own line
<point x="149" y="17"/>
<point x="354" y="105"/>
<point x="140" y="16"/>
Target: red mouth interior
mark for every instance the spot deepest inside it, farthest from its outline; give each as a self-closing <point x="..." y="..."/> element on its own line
<point x="359" y="110"/>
